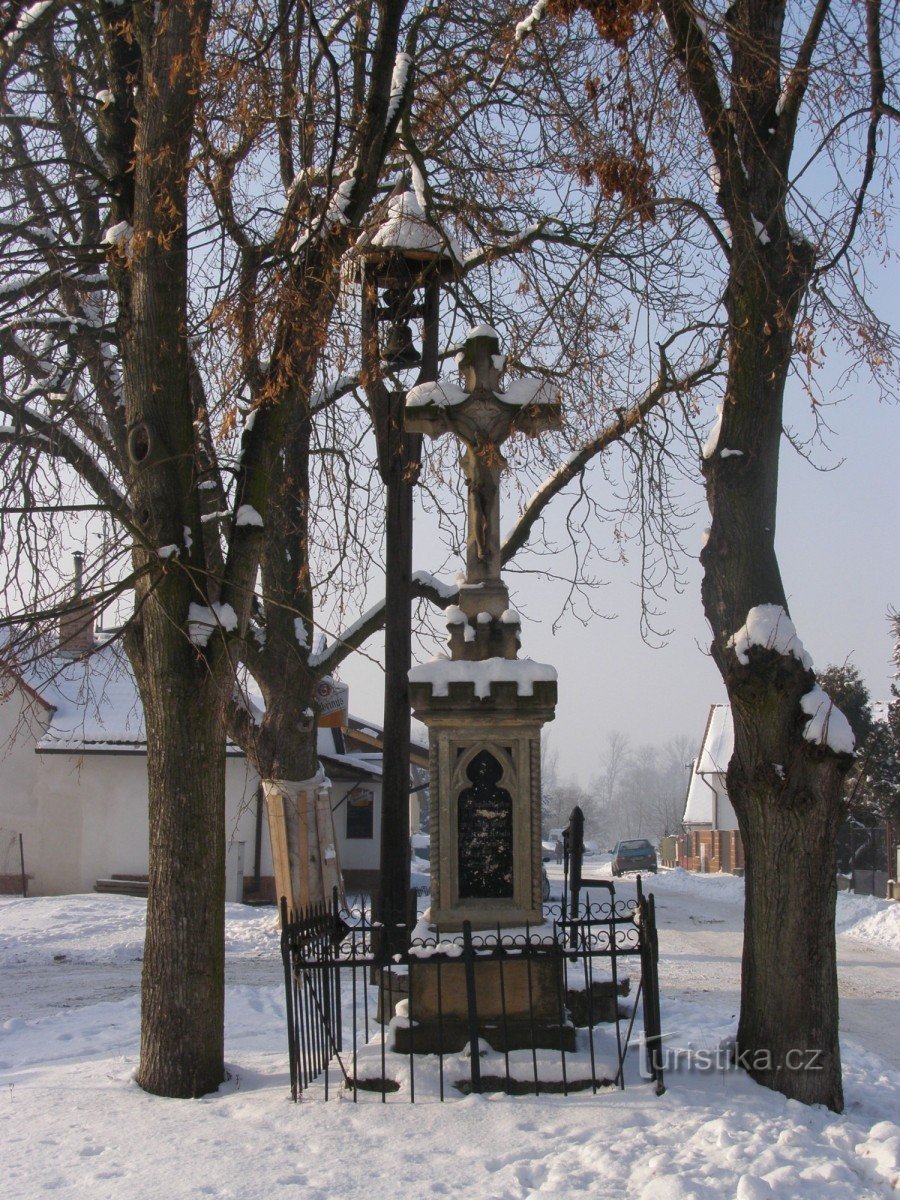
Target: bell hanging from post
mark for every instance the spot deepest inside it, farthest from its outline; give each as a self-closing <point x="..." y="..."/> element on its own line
<point x="399" y="350"/>
<point x="405" y="254"/>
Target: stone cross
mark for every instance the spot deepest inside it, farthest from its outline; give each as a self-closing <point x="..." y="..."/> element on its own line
<point x="482" y="417"/>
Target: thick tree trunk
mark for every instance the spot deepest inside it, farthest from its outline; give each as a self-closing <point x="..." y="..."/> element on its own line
<point x="788" y="1030"/>
<point x="182" y="687"/>
<point x="786" y="791"/>
<point x="182" y="994"/>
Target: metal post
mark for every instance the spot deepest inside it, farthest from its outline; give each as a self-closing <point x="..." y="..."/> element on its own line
<point x="471" y="1006"/>
<point x="576" y="856"/>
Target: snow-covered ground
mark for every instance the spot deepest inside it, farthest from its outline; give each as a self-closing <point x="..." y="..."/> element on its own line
<point x="73" y="1122"/>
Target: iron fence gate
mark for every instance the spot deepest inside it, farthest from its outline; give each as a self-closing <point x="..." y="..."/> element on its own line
<point x="359" y="1021"/>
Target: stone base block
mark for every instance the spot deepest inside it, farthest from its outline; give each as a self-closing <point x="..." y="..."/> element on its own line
<point x="451" y="1035"/>
<point x="601" y="1004"/>
<point x="517" y="988"/>
<point x="488" y="914"/>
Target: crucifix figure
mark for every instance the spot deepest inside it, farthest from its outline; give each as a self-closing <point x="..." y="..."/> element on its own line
<point x="483" y="417"/>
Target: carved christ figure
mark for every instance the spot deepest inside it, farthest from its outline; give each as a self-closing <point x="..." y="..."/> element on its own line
<point x="482" y="465"/>
<point x="482" y="418"/>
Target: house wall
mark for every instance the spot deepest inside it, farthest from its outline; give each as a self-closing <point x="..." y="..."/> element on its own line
<point x="359" y="857"/>
<point x="22" y="721"/>
<point x="92" y="820"/>
<point x="83" y="816"/>
<point x="711" y="849"/>
<point x="725" y="818"/>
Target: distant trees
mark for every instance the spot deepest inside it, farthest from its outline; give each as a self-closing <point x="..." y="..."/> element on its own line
<point x="635" y="792"/>
<point x="639" y="791"/>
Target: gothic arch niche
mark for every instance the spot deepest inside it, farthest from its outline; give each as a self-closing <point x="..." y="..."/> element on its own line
<point x="485" y="840"/>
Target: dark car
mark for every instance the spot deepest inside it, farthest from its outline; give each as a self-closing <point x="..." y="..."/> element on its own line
<point x="634" y="855"/>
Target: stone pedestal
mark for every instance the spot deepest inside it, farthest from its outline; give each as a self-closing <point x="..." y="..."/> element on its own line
<point x="519" y="1003"/>
<point x="485" y="743"/>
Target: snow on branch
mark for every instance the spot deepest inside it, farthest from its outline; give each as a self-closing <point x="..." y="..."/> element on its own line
<point x="424" y="587"/>
<point x="27" y="19"/>
<point x="769" y="627"/>
<point x="525" y="26"/>
<point x="827" y="725"/>
<point x="399" y="79"/>
<point x="203" y="619"/>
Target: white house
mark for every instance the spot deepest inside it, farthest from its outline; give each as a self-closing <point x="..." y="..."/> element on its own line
<point x="712" y="841"/>
<point x="73" y="784"/>
<point x="707" y="805"/>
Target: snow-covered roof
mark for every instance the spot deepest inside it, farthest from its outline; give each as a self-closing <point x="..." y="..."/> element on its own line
<point x="715" y="754"/>
<point x="95" y="701"/>
<point x="95" y="707"/>
<point x="718" y="742"/>
<point x="698" y="808"/>
<point x="407" y="228"/>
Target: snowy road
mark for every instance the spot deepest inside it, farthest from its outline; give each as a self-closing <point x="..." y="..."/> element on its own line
<point x="700" y="935"/>
<point x="33" y="990"/>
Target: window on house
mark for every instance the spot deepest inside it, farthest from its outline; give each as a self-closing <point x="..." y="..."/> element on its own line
<point x="360" y="813"/>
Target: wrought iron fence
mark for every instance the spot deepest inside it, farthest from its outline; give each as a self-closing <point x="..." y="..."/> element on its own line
<point x="542" y="1009"/>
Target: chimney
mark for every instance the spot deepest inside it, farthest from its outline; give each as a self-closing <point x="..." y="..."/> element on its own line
<point x="76" y="625"/>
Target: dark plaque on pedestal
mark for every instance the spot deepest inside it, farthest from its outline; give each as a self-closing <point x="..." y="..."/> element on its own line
<point x="485" y="833"/>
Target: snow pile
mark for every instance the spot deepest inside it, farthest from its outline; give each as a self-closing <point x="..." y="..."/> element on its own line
<point x="407" y="228"/>
<point x="519" y="393"/>
<point x="523" y="392"/>
<point x="713" y="888"/>
<point x="769" y="626"/>
<point x="709" y="447"/>
<point x="827" y="725"/>
<point x="442" y="671"/>
<point x="120" y="236"/>
<point x="202" y="620"/>
<point x="869" y="919"/>
<point x="246" y="513"/>
<point x="441" y="393"/>
<point x="110" y="929"/>
<point x="479" y="331"/>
